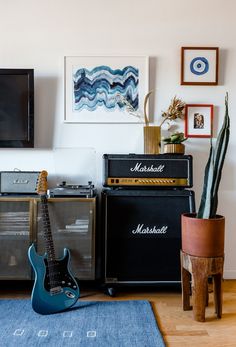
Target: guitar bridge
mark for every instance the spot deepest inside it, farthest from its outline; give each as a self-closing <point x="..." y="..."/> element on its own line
<point x="56" y="290"/>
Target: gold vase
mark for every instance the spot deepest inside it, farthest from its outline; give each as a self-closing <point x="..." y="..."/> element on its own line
<point x="152" y="139"/>
<point x="178" y="148"/>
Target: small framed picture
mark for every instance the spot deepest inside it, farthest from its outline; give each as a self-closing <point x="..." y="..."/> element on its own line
<point x="198" y="120"/>
<point x="199" y="65"/>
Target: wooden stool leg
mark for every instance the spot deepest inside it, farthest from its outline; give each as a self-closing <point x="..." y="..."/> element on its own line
<point x="186" y="289"/>
<point x="217" y="283"/>
<point x="199" y="296"/>
<point x="201" y="268"/>
<point x="207" y="294"/>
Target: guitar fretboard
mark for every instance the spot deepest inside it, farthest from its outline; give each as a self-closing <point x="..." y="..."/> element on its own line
<point x="51" y="259"/>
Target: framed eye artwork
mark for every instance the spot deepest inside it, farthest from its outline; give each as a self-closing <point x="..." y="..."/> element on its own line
<point x="199" y="65"/>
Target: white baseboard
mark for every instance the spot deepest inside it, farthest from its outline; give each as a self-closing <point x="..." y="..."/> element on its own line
<point x="230" y="274"/>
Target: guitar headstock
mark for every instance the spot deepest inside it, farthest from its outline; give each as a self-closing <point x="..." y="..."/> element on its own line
<point x="42" y="184"/>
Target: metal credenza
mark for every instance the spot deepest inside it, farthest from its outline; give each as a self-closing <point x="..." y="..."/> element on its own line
<point x="73" y="226"/>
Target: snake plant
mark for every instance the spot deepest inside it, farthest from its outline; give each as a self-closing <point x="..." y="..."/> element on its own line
<point x="213" y="170"/>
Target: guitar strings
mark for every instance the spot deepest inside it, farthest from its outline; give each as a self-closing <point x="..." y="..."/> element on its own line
<point x="52" y="264"/>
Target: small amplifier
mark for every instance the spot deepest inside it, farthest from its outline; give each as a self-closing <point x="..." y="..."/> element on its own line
<point x="18" y="182"/>
<point x="148" y="170"/>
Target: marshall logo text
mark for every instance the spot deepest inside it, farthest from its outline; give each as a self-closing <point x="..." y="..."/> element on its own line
<point x="143" y="168"/>
<point x="146" y="230"/>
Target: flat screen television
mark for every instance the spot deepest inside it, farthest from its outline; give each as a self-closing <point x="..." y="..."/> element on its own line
<point x="16" y="108"/>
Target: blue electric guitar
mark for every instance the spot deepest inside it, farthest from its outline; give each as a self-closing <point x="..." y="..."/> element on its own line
<point x="55" y="289"/>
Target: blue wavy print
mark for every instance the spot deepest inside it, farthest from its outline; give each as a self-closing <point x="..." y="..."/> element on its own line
<point x="102" y="86"/>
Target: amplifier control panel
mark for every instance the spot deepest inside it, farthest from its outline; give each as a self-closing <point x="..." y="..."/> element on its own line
<point x="126" y="181"/>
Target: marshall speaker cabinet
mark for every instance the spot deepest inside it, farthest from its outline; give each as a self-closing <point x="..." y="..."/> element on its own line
<point x="142" y="234"/>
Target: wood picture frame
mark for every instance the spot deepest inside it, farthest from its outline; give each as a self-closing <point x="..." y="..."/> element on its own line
<point x="199" y="66"/>
<point x="198" y="120"/>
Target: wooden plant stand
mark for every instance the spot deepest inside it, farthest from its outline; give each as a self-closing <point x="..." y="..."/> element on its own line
<point x="198" y="269"/>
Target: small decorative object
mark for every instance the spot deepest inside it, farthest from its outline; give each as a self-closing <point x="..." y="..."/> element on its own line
<point x="152" y="133"/>
<point x="152" y="139"/>
<point x="203" y="233"/>
<point x="174" y="111"/>
<point x="92" y="86"/>
<point x="198" y="120"/>
<point x="199" y="65"/>
<point x="174" y="143"/>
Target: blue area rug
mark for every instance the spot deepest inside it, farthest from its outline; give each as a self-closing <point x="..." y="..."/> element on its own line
<point x="99" y="324"/>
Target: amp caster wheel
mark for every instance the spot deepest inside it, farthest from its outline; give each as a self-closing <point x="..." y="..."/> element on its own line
<point x="111" y="291"/>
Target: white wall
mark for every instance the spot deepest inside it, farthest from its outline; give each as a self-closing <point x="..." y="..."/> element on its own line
<point x="38" y="34"/>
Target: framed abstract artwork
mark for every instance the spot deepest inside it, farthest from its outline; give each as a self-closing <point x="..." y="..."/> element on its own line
<point x="198" y="120"/>
<point x="199" y="65"/>
<point x="96" y="87"/>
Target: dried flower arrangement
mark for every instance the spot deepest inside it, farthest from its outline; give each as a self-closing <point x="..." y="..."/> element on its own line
<point x="174" y="111"/>
<point x="152" y="134"/>
<point x="130" y="109"/>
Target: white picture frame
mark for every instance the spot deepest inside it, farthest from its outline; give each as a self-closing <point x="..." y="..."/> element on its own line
<point x="93" y="85"/>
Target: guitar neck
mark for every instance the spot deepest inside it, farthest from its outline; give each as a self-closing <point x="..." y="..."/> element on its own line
<point x="47" y="229"/>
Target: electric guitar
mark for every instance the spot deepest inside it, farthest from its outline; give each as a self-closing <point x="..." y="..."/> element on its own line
<point x="55" y="289"/>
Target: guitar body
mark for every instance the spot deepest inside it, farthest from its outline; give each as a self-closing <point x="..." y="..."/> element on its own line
<point x="45" y="298"/>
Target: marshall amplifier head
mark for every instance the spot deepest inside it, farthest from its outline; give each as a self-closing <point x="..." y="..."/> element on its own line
<point x="18" y="182"/>
<point x="145" y="170"/>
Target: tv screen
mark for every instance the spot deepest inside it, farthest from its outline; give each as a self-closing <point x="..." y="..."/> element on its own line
<point x="16" y="108"/>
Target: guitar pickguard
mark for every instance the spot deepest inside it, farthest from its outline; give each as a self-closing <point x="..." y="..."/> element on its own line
<point x="62" y="277"/>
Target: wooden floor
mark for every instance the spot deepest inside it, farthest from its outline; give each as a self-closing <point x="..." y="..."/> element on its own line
<point x="178" y="327"/>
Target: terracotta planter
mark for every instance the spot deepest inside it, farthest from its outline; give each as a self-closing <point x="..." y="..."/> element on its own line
<point x="177" y="148"/>
<point x="203" y="237"/>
